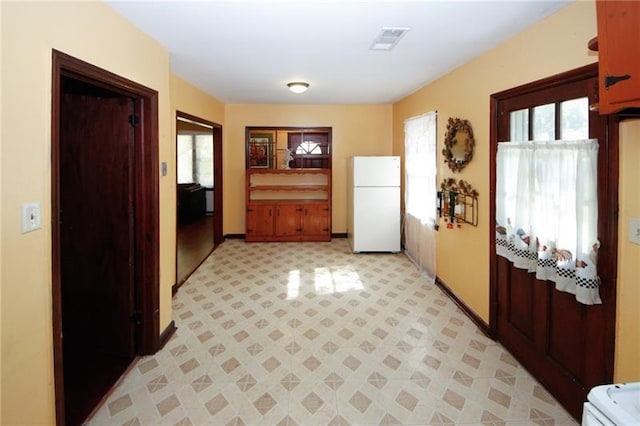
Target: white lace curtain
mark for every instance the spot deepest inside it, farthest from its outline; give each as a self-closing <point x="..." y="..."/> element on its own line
<point x="547" y="212"/>
<point x="420" y="191"/>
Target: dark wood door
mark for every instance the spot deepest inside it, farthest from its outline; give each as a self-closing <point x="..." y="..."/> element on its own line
<point x="218" y="207"/>
<point x="566" y="345"/>
<point x="97" y="245"/>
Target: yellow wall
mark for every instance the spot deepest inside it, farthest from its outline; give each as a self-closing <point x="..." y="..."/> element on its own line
<point x="627" y="366"/>
<point x="552" y="46"/>
<point x="93" y="32"/>
<point x="357" y="130"/>
<point x="1" y="138"/>
<point x="188" y="99"/>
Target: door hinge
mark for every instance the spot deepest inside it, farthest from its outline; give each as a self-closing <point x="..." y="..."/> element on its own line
<point x="610" y="80"/>
<point x="134" y="120"/>
<point x="136" y="318"/>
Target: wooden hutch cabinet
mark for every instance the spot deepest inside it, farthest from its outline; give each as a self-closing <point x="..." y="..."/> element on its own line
<point x="618" y="46"/>
<point x="288" y="184"/>
<point x="288" y="205"/>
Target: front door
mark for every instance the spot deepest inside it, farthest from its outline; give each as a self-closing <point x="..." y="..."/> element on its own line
<point x="566" y="345"/>
<point x="96" y="243"/>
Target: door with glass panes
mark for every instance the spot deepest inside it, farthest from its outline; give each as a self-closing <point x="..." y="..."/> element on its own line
<point x="565" y="345"/>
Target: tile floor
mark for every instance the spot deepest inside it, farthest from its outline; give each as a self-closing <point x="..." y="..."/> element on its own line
<point x="310" y="334"/>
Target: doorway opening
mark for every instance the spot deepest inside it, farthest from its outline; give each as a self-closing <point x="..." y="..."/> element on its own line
<point x="105" y="233"/>
<point x="199" y="192"/>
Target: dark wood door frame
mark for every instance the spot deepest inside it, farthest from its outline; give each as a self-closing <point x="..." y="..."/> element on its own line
<point x="146" y="201"/>
<point x="217" y="185"/>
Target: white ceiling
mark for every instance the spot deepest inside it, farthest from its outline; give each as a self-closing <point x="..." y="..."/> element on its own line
<point x="246" y="51"/>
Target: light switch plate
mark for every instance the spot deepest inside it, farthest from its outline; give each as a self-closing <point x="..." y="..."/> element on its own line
<point x="31" y="217"/>
<point x="634" y="230"/>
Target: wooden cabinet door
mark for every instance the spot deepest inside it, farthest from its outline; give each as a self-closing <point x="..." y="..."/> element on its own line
<point x="315" y="219"/>
<point x="288" y="220"/>
<point x="619" y="67"/>
<point x="260" y="220"/>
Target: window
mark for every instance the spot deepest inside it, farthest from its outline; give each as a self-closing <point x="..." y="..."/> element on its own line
<point x="420" y="191"/>
<point x="195" y="159"/>
<point x="308" y="147"/>
<point x="574" y="119"/>
<point x="572" y="115"/>
<point x="546" y="196"/>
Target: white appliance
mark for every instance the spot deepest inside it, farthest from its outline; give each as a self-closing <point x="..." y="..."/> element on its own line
<point x="613" y="405"/>
<point x="373" y="204"/>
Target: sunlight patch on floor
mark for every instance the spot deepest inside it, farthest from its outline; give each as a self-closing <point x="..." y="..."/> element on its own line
<point x="326" y="280"/>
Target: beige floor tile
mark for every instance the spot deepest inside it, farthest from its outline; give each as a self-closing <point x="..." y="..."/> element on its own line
<point x="310" y="334"/>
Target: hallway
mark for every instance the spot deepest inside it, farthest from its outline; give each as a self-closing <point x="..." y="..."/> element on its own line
<point x="309" y="333"/>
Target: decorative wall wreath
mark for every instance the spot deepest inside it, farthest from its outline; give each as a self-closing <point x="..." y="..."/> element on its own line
<point x="458" y="144"/>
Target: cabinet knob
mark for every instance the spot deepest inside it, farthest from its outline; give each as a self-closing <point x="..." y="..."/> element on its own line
<point x="610" y="80"/>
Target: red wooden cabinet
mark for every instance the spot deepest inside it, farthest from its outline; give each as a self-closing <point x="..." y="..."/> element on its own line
<point x="618" y="54"/>
<point x="315" y="220"/>
<point x="288" y="220"/>
<point x="260" y="220"/>
<point x="288" y="205"/>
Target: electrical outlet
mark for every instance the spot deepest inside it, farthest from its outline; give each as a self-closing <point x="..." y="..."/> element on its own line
<point x="31" y="217"/>
<point x="634" y="230"/>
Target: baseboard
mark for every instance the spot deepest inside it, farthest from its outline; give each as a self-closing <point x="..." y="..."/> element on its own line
<point x="234" y="237"/>
<point x="483" y="326"/>
<point x="166" y="334"/>
<point x="241" y="236"/>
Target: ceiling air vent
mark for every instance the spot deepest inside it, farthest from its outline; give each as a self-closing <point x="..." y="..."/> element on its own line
<point x="388" y="38"/>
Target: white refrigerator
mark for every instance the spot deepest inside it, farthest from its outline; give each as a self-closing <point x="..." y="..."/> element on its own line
<point x="373" y="204"/>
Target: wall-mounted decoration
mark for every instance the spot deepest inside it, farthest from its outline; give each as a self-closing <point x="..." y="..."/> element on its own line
<point x="458" y="144"/>
<point x="458" y="203"/>
<point x="261" y="150"/>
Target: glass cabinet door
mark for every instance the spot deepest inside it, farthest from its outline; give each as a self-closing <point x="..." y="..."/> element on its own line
<point x="261" y="149"/>
<point x="288" y="147"/>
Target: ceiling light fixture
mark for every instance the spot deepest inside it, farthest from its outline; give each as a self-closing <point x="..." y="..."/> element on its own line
<point x="298" y="87"/>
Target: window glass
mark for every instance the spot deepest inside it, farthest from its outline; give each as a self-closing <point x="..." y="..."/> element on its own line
<point x="185" y="159"/>
<point x="519" y="122"/>
<point x="574" y="119"/>
<point x="308" y="147"/>
<point x="204" y="160"/>
<point x="544" y="122"/>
